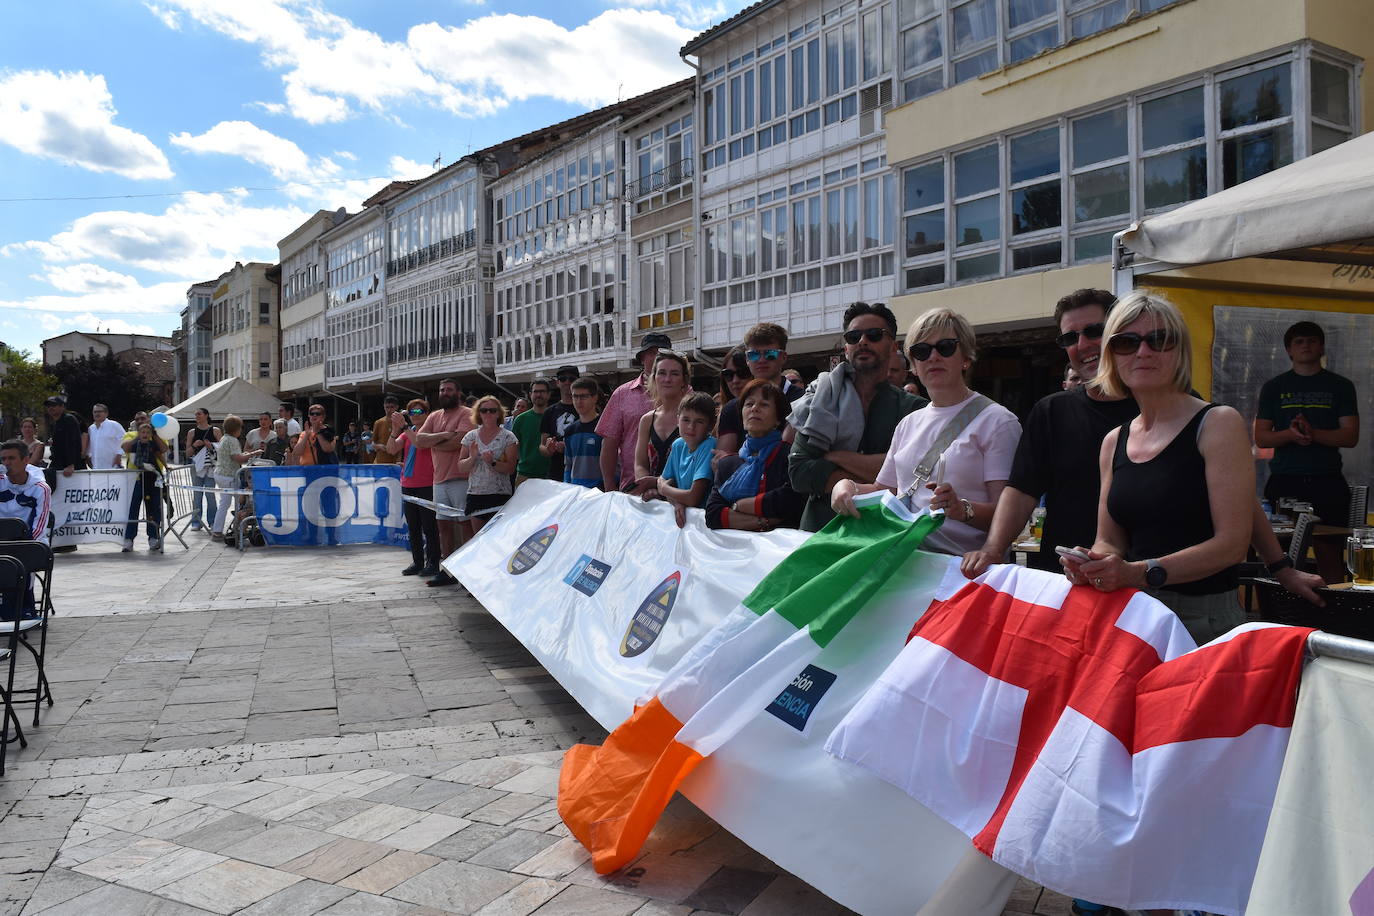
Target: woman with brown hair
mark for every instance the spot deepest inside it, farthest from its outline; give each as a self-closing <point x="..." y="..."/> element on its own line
<point x="669" y="382"/>
<point x="489" y="455"/>
<point x="753" y="491"/>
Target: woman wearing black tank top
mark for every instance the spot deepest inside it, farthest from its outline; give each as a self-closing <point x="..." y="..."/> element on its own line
<point x="670" y="382"/>
<point x="1178" y="481"/>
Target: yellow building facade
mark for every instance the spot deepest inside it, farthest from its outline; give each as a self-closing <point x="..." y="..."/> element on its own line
<point x="1014" y="182"/>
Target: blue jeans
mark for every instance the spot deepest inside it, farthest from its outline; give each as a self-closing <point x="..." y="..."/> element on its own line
<point x="207" y="498"/>
<point x="147" y="491"/>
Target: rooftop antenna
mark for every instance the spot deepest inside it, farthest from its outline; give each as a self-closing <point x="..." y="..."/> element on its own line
<point x="620" y="93"/>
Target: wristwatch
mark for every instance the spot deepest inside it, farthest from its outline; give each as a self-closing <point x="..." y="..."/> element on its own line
<point x="1279" y="565"/>
<point x="968" y="509"/>
<point x="1155" y="575"/>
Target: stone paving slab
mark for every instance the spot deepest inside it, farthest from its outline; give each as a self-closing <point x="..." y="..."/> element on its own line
<point x="307" y="732"/>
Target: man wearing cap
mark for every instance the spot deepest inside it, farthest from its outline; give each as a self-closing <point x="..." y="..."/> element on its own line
<point x="619" y="424"/>
<point x="558" y="416"/>
<point x="65" y="452"/>
<point x="1307" y="415"/>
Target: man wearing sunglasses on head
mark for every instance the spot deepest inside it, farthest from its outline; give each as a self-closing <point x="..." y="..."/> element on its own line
<point x="845" y="428"/>
<point x="1057" y="458"/>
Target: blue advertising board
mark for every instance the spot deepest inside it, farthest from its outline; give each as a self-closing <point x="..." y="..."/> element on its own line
<point x="325" y="505"/>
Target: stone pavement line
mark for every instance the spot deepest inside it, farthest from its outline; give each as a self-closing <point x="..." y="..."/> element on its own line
<point x="299" y="733"/>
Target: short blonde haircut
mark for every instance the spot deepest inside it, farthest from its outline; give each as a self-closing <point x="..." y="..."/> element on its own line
<point x="1140" y="304"/>
<point x="477" y="409"/>
<point x="232" y="426"/>
<point x="944" y="321"/>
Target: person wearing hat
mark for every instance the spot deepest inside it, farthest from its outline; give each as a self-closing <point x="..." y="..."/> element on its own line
<point x="558" y="416"/>
<point x="65" y="452"/>
<point x="619" y="424"/>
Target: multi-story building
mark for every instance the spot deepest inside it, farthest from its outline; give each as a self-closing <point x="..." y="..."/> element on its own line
<point x="194" y="354"/>
<point x="562" y="245"/>
<point x="659" y="200"/>
<point x="438" y="275"/>
<point x="1036" y="129"/>
<point x="797" y="205"/>
<point x="302" y="320"/>
<point x="355" y="297"/>
<point x="243" y="308"/>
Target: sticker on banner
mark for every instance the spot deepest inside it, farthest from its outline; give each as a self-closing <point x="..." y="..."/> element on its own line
<point x="649" y="618"/>
<point x="587" y="575"/>
<point x="795" y="705"/>
<point x="531" y="551"/>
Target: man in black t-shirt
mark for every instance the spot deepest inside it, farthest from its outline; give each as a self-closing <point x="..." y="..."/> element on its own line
<point x="1307" y="415"/>
<point x="1058" y="458"/>
<point x="65" y="454"/>
<point x="558" y="416"/>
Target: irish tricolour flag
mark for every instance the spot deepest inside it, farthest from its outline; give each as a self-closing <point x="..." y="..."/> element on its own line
<point x="611" y="796"/>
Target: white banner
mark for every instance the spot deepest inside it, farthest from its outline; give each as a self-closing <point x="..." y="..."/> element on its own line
<point x="91" y="506"/>
<point x="608" y="593"/>
<point x="1318" y="854"/>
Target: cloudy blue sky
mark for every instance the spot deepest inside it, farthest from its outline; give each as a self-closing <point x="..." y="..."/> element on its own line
<point x="148" y="145"/>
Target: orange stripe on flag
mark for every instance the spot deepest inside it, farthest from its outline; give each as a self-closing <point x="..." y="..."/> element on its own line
<point x="611" y="796"/>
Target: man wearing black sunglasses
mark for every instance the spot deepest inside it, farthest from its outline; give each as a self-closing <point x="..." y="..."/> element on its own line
<point x="1057" y="458"/>
<point x="558" y="416"/>
<point x="849" y="420"/>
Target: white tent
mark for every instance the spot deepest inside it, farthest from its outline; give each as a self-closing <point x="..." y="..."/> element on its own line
<point x="233" y="395"/>
<point x="1317" y="209"/>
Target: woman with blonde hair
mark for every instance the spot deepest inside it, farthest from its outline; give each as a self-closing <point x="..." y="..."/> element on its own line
<point x="669" y="382"/>
<point x="1178" y="481"/>
<point x="955" y="453"/>
<point x="489" y="455"/>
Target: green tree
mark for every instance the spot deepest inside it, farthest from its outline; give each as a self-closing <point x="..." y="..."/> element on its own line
<point x="24" y="385"/>
<point x="102" y="379"/>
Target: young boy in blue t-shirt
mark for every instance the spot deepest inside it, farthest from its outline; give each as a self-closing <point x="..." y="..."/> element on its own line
<point x="686" y="478"/>
<point x="581" y="444"/>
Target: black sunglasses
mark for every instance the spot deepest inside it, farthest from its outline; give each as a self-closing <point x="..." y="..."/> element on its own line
<point x="317" y="413"/>
<point x="489" y="410"/>
<point x="946" y="347"/>
<point x="872" y="334"/>
<point x="1069" y="338"/>
<point x="730" y="374"/>
<point x="1128" y="342"/>
<point x="567" y="378"/>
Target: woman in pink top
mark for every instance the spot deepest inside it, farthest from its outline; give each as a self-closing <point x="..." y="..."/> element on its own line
<point x="417" y="479"/>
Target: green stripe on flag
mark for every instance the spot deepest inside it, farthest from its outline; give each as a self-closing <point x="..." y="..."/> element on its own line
<point x="826" y="580"/>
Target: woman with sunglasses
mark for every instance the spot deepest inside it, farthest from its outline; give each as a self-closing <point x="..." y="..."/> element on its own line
<point x="968" y="476"/>
<point x="489" y="455"/>
<point x="734" y="375"/>
<point x="317" y="443"/>
<point x="1178" y="481"/>
<point x="417" y="479"/>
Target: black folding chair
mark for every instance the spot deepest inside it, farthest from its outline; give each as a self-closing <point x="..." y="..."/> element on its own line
<point x="14" y="581"/>
<point x="14" y="529"/>
<point x="36" y="558"/>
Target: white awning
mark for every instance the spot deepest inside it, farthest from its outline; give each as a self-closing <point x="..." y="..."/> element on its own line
<point x="1318" y="209"/>
<point x="232" y="395"/>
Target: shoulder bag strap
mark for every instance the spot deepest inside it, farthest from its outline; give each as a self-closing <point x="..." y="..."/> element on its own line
<point x="925" y="468"/>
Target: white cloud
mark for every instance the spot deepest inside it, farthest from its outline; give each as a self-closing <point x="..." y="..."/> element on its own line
<point x="198" y="237"/>
<point x="92" y="323"/>
<point x="331" y="67"/>
<point x="280" y="156"/>
<point x="404" y="168"/>
<point x="70" y="117"/>
<point x="86" y="278"/>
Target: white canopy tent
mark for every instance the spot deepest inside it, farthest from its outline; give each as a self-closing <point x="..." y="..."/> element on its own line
<point x="1317" y="209"/>
<point x="232" y="395"/>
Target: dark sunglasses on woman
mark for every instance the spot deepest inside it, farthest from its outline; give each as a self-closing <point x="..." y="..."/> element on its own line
<point x="921" y="351"/>
<point x="1091" y="332"/>
<point x="873" y="335"/>
<point x="730" y="374"/>
<point x="489" y="410"/>
<point x="1128" y="342"/>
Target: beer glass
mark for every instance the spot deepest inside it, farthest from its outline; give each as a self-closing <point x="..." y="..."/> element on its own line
<point x="1359" y="557"/>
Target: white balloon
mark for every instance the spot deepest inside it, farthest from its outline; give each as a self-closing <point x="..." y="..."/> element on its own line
<point x="168" y="429"/>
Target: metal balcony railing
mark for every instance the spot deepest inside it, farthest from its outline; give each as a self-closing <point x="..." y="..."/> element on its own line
<point x="670" y="176"/>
